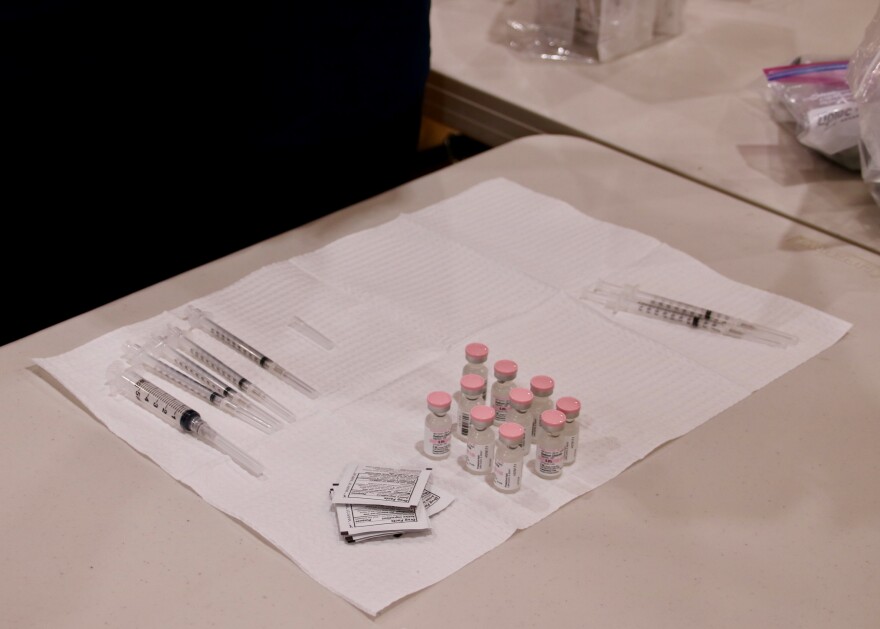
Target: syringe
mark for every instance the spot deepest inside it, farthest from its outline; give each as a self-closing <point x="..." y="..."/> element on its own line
<point x="177" y="339"/>
<point x="629" y="299"/>
<point x="200" y="319"/>
<point x="129" y="383"/>
<point x="158" y="348"/>
<point x="139" y="358"/>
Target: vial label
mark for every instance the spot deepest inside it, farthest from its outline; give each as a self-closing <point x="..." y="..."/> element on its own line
<point x="550" y="462"/>
<point x="464" y="423"/>
<point x="571" y="448"/>
<point x="508" y="475"/>
<point x="501" y="405"/>
<point x="479" y="457"/>
<point x="437" y="443"/>
<point x="534" y="426"/>
<point x="525" y="421"/>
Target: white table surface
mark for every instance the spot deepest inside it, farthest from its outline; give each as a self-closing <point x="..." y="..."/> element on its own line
<point x="766" y="515"/>
<point x="693" y="104"/>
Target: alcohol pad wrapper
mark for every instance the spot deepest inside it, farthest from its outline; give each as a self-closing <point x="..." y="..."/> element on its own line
<point x="377" y="485"/>
<point x="398" y="303"/>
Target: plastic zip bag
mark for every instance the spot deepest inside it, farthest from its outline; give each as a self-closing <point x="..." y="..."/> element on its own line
<point x="863" y="76"/>
<point x="814" y="101"/>
<point x="589" y="31"/>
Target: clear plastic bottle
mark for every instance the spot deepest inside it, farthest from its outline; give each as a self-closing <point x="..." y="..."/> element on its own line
<point x="476" y="355"/>
<point x="521" y="412"/>
<point x="480" y="439"/>
<point x="542" y="388"/>
<point x="571" y="408"/>
<point x="508" y="463"/>
<point x="550" y="447"/>
<point x="505" y="380"/>
<point x="437" y="441"/>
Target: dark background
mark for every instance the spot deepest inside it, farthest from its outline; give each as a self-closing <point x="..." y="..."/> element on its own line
<point x="146" y="139"/>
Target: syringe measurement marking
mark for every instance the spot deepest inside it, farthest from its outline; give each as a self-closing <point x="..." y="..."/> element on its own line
<point x="687" y="316"/>
<point x="167" y="400"/>
<point x="654" y="310"/>
<point x="180" y="379"/>
<point x="217" y="366"/>
<point x="237" y="344"/>
<point x="193" y="370"/>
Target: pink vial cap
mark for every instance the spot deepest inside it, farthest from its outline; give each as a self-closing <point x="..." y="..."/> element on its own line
<point x="473" y="382"/>
<point x="568" y="405"/>
<point x="521" y="396"/>
<point x="476" y="351"/>
<point x="553" y="418"/>
<point x="505" y="368"/>
<point x="542" y="384"/>
<point x="511" y="431"/>
<point x="440" y="400"/>
<point x="483" y="414"/>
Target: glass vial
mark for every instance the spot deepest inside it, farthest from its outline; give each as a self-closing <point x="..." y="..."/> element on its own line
<point x="505" y="380"/>
<point x="571" y="408"/>
<point x="472" y="387"/>
<point x="476" y="355"/>
<point x="550" y="447"/>
<point x="542" y="389"/>
<point x="480" y="439"/>
<point x="508" y="464"/>
<point x="521" y="412"/>
<point x="437" y="442"/>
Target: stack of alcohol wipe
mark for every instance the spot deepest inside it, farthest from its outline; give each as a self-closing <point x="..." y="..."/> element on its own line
<point x="373" y="502"/>
<point x="388" y="304"/>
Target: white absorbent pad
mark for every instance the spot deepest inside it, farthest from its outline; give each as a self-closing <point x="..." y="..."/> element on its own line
<point x="499" y="264"/>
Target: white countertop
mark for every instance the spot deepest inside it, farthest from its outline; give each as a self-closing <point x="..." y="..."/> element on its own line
<point x="693" y="104"/>
<point x="765" y="514"/>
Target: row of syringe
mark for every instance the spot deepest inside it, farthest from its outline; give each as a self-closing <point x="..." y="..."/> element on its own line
<point x="174" y="357"/>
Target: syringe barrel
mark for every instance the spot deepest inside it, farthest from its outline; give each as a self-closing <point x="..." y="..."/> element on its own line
<point x="195" y="371"/>
<point x="200" y="319"/>
<point x="172" y="375"/>
<point x="628" y="298"/>
<point x="685" y="310"/>
<point x="130" y="384"/>
<point x="657" y="310"/>
<point x="178" y="340"/>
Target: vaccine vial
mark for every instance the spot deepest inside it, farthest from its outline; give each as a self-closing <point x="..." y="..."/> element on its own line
<point x="542" y="389"/>
<point x="437" y="441"/>
<point x="550" y="447"/>
<point x="521" y="412"/>
<point x="480" y="439"/>
<point x="505" y="380"/>
<point x="571" y="408"/>
<point x="476" y="355"/>
<point x="472" y="387"/>
<point x="508" y="464"/>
